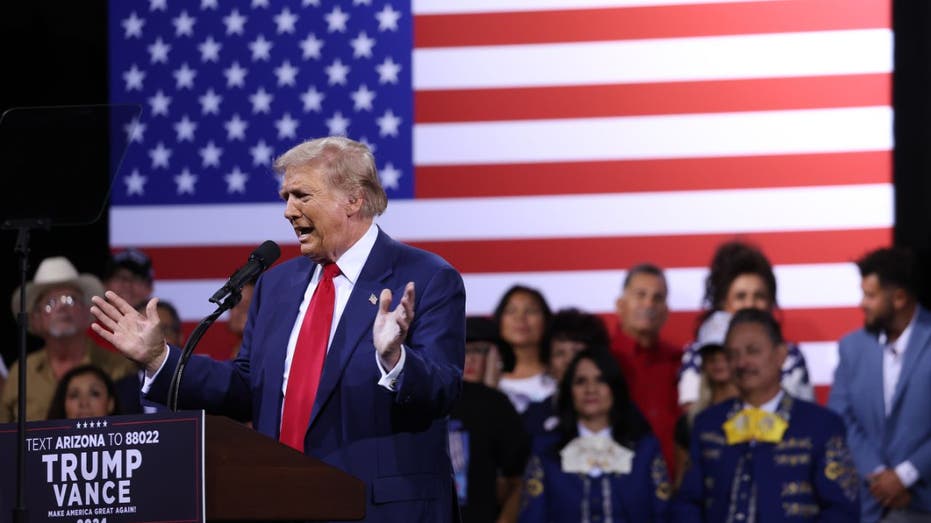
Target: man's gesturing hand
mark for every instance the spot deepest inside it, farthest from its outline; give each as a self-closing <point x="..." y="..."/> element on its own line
<point x="138" y="337"/>
<point x="391" y="327"/>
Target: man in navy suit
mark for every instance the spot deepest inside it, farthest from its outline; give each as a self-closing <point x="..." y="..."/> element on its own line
<point x="882" y="388"/>
<point x="389" y="377"/>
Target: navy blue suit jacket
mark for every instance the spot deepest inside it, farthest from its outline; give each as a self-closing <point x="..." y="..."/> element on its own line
<point x="396" y="442"/>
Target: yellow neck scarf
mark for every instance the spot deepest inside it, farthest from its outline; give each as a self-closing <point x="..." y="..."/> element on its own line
<point x="753" y="424"/>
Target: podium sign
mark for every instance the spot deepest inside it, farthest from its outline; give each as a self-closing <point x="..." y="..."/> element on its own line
<point x="107" y="470"/>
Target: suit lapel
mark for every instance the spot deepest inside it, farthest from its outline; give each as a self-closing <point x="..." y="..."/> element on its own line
<point x="357" y="319"/>
<point x="921" y="330"/>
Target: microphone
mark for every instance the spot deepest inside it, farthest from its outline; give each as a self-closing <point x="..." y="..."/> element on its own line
<point x="260" y="259"/>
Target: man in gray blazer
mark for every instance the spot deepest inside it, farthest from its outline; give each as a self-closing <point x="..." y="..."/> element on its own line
<point x="882" y="388"/>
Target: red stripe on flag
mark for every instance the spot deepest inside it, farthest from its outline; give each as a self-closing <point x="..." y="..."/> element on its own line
<point x="549" y="254"/>
<point x="630" y="23"/>
<point x="588" y="101"/>
<point x="676" y="174"/>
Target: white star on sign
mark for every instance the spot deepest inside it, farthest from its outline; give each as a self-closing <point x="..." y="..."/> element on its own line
<point x="362" y="98"/>
<point x="260" y="48"/>
<point x="311" y="46"/>
<point x="286" y="73"/>
<point x="209" y="50"/>
<point x="133" y="26"/>
<point x="261" y="101"/>
<point x="159" y="51"/>
<point x="389" y="176"/>
<point x="388" y="19"/>
<point x="234" y="22"/>
<point x="338" y="124"/>
<point x="134" y="131"/>
<point x="159" y="103"/>
<point x="261" y="153"/>
<point x="362" y="46"/>
<point x="210" y="102"/>
<point x="286" y="126"/>
<point x="184" y="24"/>
<point x="285" y="21"/>
<point x="388" y="71"/>
<point x="210" y="155"/>
<point x="235" y="75"/>
<point x="313" y="100"/>
<point x="336" y="72"/>
<point x="160" y="156"/>
<point x="185" y="181"/>
<point x="388" y="124"/>
<point x="134" y="78"/>
<point x="184" y="129"/>
<point x="135" y="183"/>
<point x="336" y="20"/>
<point x="236" y="181"/>
<point x="236" y="128"/>
<point x="184" y="77"/>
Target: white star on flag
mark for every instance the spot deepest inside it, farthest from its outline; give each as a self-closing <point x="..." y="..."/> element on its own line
<point x="210" y="102"/>
<point x="388" y="71"/>
<point x="134" y="78"/>
<point x="285" y="21"/>
<point x="337" y="72"/>
<point x="157" y="5"/>
<point x="236" y="128"/>
<point x="209" y="50"/>
<point x="261" y="153"/>
<point x="338" y="124"/>
<point x="160" y="156"/>
<point x="184" y="24"/>
<point x="159" y="103"/>
<point x="286" y="126"/>
<point x="236" y="181"/>
<point x="208" y="4"/>
<point x="261" y="101"/>
<point x="235" y="75"/>
<point x="159" y="51"/>
<point x="311" y="47"/>
<point x="133" y="26"/>
<point x="389" y="176"/>
<point x="234" y="22"/>
<point x="134" y="131"/>
<point x="286" y="73"/>
<point x="185" y="181"/>
<point x="312" y="99"/>
<point x="362" y="46"/>
<point x="135" y="183"/>
<point x="336" y="20"/>
<point x="388" y="124"/>
<point x="210" y="155"/>
<point x="184" y="129"/>
<point x="184" y="77"/>
<point x="261" y="48"/>
<point x="362" y="98"/>
<point x="388" y="19"/>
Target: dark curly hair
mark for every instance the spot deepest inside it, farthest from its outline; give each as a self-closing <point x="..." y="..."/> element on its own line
<point x="733" y="259"/>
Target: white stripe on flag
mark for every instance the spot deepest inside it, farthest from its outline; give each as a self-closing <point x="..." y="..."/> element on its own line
<point x="424" y="7"/>
<point x="813" y="53"/>
<point x="822" y="358"/>
<point x="645" y="137"/>
<point x="686" y="212"/>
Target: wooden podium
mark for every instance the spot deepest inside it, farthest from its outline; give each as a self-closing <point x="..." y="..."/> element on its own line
<point x="250" y="477"/>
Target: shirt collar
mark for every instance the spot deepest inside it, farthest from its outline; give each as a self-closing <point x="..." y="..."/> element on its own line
<point x="605" y="432"/>
<point x="771" y="405"/>
<point x="351" y="262"/>
<point x="901" y="343"/>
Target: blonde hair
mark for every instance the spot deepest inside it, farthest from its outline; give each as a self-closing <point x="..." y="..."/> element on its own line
<point x="348" y="165"/>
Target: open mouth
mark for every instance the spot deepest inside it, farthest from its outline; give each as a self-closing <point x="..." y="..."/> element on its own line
<point x="303" y="232"/>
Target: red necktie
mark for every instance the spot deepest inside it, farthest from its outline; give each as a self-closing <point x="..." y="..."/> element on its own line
<point x="307" y="362"/>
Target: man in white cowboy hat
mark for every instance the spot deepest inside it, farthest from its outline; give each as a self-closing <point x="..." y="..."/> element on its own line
<point x="58" y="307"/>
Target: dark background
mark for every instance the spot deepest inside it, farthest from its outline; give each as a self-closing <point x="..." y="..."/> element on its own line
<point x="55" y="53"/>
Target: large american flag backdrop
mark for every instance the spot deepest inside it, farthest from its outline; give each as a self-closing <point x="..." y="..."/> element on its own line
<point x="553" y="143"/>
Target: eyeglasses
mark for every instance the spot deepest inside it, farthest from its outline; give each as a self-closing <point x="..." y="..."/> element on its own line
<point x="63" y="301"/>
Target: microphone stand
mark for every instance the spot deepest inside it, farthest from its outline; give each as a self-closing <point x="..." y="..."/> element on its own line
<point x="22" y="250"/>
<point x="174" y="388"/>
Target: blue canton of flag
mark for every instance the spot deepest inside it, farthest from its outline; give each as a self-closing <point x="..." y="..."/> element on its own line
<point x="228" y="86"/>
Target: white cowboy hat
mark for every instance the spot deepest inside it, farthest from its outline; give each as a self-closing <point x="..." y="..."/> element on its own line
<point x="53" y="271"/>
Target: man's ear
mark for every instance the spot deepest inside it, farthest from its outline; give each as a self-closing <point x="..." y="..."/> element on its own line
<point x="354" y="204"/>
<point x="900" y="298"/>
